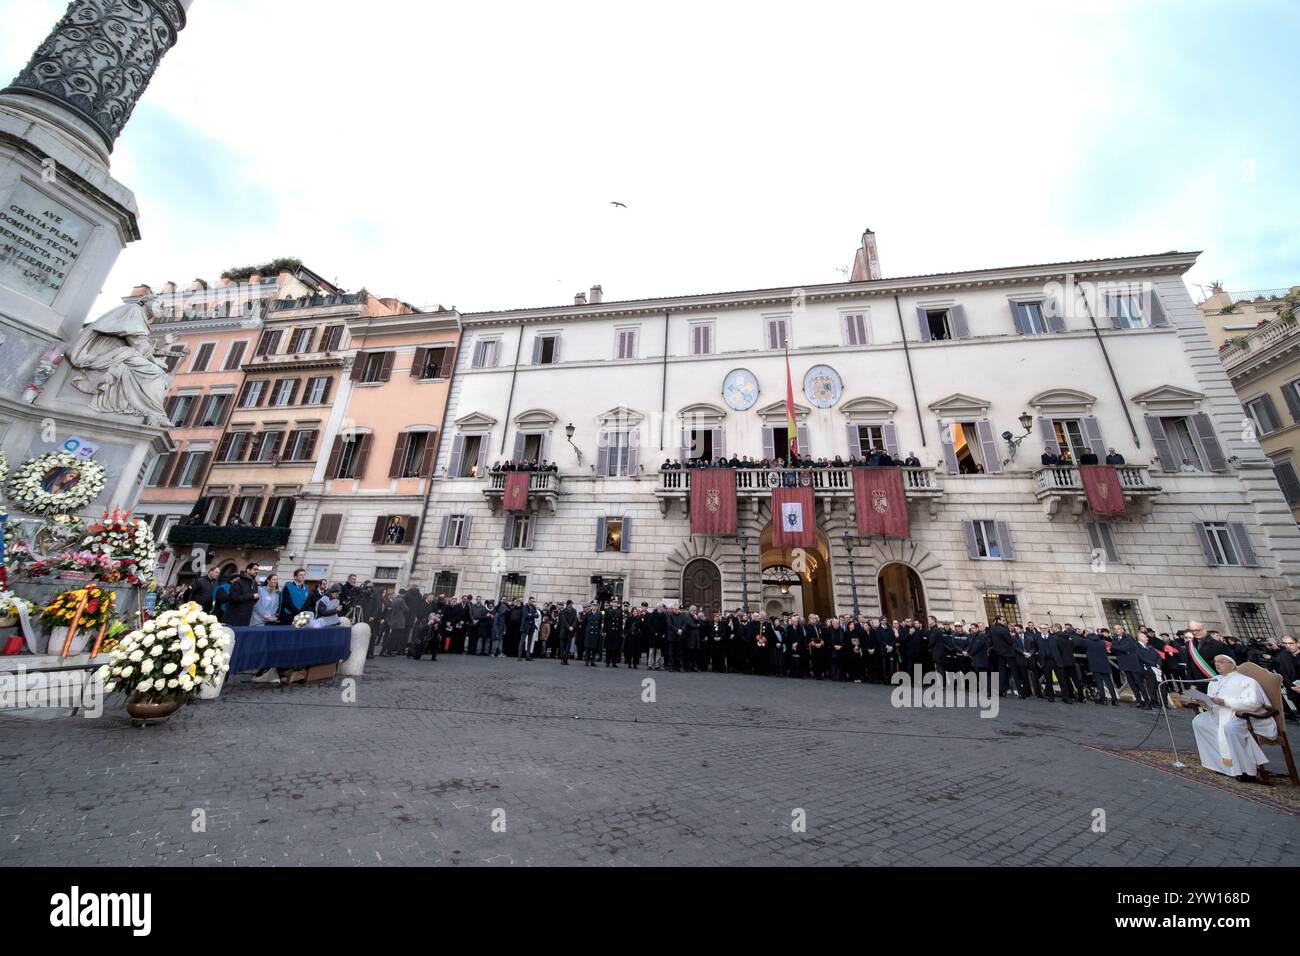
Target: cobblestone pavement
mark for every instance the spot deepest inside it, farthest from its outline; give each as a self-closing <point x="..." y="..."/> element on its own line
<point x="581" y="771"/>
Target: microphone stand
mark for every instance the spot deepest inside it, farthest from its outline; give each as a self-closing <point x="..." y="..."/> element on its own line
<point x="1160" y="682"/>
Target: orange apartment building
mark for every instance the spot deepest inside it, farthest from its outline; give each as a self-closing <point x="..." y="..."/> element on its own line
<point x="361" y="513"/>
<point x="285" y="406"/>
<point x="218" y="324"/>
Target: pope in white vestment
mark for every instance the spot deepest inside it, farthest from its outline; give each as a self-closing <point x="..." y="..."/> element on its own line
<point x="1222" y="737"/>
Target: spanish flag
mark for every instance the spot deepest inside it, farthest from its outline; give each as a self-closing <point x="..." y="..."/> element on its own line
<point x="792" y="429"/>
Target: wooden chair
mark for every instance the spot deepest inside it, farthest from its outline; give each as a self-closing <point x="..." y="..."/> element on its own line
<point x="1272" y="684"/>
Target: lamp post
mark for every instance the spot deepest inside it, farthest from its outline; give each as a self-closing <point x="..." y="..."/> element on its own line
<point x="853" y="577"/>
<point x="568" y="433"/>
<point x="744" y="571"/>
<point x="1013" y="442"/>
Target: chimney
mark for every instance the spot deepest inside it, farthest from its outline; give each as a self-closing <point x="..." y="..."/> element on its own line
<point x="169" y="287"/>
<point x="866" y="261"/>
<point x="580" y="299"/>
<point x="596" y="295"/>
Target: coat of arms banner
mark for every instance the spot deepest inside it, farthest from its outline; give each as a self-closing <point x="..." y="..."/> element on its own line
<point x="516" y="496"/>
<point x="1101" y="484"/>
<point x="713" y="501"/>
<point x="879" y="500"/>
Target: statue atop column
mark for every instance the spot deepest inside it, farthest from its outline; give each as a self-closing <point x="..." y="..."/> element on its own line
<point x="100" y="57"/>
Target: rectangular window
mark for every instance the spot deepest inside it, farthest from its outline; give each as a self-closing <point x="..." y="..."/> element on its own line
<point x="1103" y="544"/>
<point x="1263" y="414"/>
<point x="987" y="543"/>
<point x="1069" y="435"/>
<point x="266" y="446"/>
<point x="237" y="444"/>
<point x="332" y="338"/>
<point x="235" y="356"/>
<point x="518" y="532"/>
<point x="627" y="342"/>
<point x="394" y="529"/>
<point x="416" y="442"/>
<point x="870" y="438"/>
<point x="1221" y="547"/>
<point x="1288" y="481"/>
<point x="855" y="329"/>
<point x="613" y="588"/>
<point x="702" y="338"/>
<point x="433" y="361"/>
<point x="1186" y="452"/>
<point x="968" y="448"/>
<point x="301" y="341"/>
<point x="283" y="393"/>
<point x="213" y="412"/>
<point x="778" y="334"/>
<point x="1001" y="605"/>
<point x="327" y="531"/>
<point x="278" y="513"/>
<point x="546" y="349"/>
<point x="387" y="572"/>
<point x="317" y="390"/>
<point x="245" y="510"/>
<point x="202" y="357"/>
<point x="469" y="458"/>
<point x="269" y="343"/>
<point x="301" y="445"/>
<point x="619" y="445"/>
<point x="191" y="467"/>
<point x="486" y="353"/>
<point x="1126" y="310"/>
<point x="1250" y="620"/>
<point x="444" y="583"/>
<point x="251" y="396"/>
<point x="1030" y="319"/>
<point x="940" y="324"/>
<point x="182" y="408"/>
<point x="349" y="450"/>
<point x="456" y="532"/>
<point x="513" y="586"/>
<point x="700" y="444"/>
<point x="613" y="534"/>
<point x="158" y="470"/>
<point x="214" y="509"/>
<point x="374" y="367"/>
<point x="1125" y="612"/>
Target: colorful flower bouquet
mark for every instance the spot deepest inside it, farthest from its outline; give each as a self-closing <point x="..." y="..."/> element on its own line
<point x="62" y="611"/>
<point x="123" y="547"/>
<point x="169" y="658"/>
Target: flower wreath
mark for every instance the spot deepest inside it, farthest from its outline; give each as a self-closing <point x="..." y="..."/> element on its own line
<point x="27" y="494"/>
<point x="4" y="467"/>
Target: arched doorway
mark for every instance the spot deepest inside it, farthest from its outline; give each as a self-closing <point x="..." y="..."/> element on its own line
<point x="901" y="593"/>
<point x="811" y="567"/>
<point x="702" y="585"/>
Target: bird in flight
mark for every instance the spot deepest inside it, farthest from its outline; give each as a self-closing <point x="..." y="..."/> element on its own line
<point x="619" y="204"/>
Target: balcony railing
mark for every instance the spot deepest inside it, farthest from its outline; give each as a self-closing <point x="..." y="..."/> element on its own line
<point x="543" y="487"/>
<point x="917" y="482"/>
<point x="1055" y="485"/>
<point x="250" y="536"/>
<point x="1259" y="339"/>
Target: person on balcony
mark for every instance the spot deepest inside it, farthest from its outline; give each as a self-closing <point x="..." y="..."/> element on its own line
<point x="1113" y="457"/>
<point x="1089" y="457"/>
<point x="1050" y="460"/>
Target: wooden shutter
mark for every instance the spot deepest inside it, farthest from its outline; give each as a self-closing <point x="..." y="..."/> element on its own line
<point x="1203" y="535"/>
<point x="196" y="406"/>
<point x="293" y="391"/>
<point x="483" y="452"/>
<point x="1092" y="435"/>
<point x="602" y="454"/>
<point x="465" y="528"/>
<point x="412" y="532"/>
<point x="223" y="447"/>
<point x="1291" y="392"/>
<point x="363" y="455"/>
<point x="625" y="541"/>
<point x="891" y="439"/>
<point x="430" y="454"/>
<point x="1047" y="429"/>
<point x="1160" y="442"/>
<point x="600" y="533"/>
<point x="769" y="442"/>
<point x="1159" y="319"/>
<point x="537" y="349"/>
<point x="236" y="355"/>
<point x="532" y="532"/>
<point x="325" y="395"/>
<point x="555" y="350"/>
<point x="1241" y="542"/>
<point x="520" y="439"/>
<point x="685" y="447"/>
<point x="949" y="449"/>
<point x="633" y="452"/>
<point x="854" y="440"/>
<point x="988" y="447"/>
<point x="264" y="393"/>
<point x="1100" y="537"/>
<point x="923" y="323"/>
<point x="386" y="370"/>
<point x="359" y="367"/>
<point x="1055" y="320"/>
<point x="957" y="316"/>
<point x="1274" y="419"/>
<point x="507" y="537"/>
<point x="311" y="445"/>
<point x="805" y="447"/>
<point x="1209" y="439"/>
<point x="457" y="453"/>
<point x="1288" y="481"/>
<point x="336" y="453"/>
<point x="201" y="473"/>
<point x="719" y="442"/>
<point x="399" y="452"/>
<point x="262" y="341"/>
<point x="445" y="532"/>
<point x="381" y="525"/>
<point x="1004" y="541"/>
<point x="1019" y="317"/>
<point x="418" y="363"/>
<point x="972" y="546"/>
<point x="447" y="364"/>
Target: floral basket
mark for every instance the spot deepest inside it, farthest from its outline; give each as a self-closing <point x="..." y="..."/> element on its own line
<point x="303" y="619"/>
<point x="169" y="659"/>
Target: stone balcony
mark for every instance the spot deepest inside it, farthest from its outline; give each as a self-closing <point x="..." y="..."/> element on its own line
<point x="244" y="536"/>
<point x="1263" y="344"/>
<point x="756" y="484"/>
<point x="1063" y="485"/>
<point x="543" y="490"/>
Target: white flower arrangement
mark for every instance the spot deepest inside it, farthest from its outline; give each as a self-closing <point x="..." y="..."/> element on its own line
<point x="27" y="485"/>
<point x="4" y="467"/>
<point x="302" y="619"/>
<point x="10" y="603"/>
<point x="169" y="658"/>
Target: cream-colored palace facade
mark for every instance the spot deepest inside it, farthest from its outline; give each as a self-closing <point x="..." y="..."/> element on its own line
<point x="1098" y="354"/>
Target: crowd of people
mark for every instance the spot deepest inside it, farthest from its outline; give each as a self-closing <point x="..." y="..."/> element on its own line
<point x="878" y="458"/>
<point x="523" y="464"/>
<point x="1063" y="661"/>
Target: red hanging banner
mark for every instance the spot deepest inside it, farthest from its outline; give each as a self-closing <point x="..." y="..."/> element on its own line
<point x="1101" y="484"/>
<point x="879" y="500"/>
<point x="516" y="496"/>
<point x="713" y="501"/>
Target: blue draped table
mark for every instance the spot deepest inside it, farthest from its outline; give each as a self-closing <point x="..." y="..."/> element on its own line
<point x="258" y="647"/>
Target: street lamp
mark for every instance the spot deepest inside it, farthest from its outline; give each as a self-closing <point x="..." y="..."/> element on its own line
<point x="743" y="537"/>
<point x="1013" y="443"/>
<point x="568" y="433"/>
<point x="853" y="577"/>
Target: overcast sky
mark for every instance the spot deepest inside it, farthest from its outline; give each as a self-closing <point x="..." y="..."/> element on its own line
<point x="467" y="153"/>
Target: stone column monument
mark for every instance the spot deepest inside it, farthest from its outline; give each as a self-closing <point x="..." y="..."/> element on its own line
<point x="63" y="222"/>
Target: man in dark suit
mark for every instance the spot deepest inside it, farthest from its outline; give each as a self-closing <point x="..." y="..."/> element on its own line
<point x="243" y="593"/>
<point x="977" y="652"/>
<point x="568" y="629"/>
<point x="1113" y="457"/>
<point x="1058" y="656"/>
<point x="1089" y="457"/>
<point x="1004" y="650"/>
<point x="1126" y="649"/>
<point x="1050" y="459"/>
<point x="936" y="643"/>
<point x="1029" y="646"/>
<point x="1099" y="665"/>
